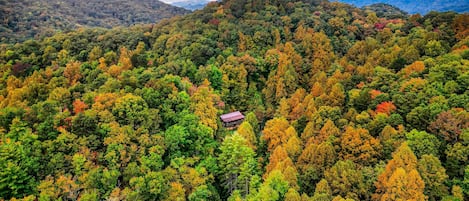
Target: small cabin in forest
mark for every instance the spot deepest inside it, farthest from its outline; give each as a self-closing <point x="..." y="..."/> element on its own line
<point x="232" y="120"/>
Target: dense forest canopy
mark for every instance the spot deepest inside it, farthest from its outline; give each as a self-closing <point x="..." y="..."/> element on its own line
<point x="26" y="19"/>
<point x="340" y="104"/>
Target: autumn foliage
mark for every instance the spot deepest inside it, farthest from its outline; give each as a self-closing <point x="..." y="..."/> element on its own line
<point x="79" y="106"/>
<point x="339" y="103"/>
<point x="386" y="108"/>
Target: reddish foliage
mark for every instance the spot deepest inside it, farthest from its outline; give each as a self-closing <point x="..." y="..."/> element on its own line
<point x="79" y="106"/>
<point x="450" y="124"/>
<point x="214" y="21"/>
<point x="385" y="107"/>
<point x="380" y="26"/>
<point x="19" y="68"/>
<point x="360" y="85"/>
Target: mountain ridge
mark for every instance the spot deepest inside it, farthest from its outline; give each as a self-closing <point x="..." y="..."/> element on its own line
<point x="411" y="7"/>
<point x="418" y="6"/>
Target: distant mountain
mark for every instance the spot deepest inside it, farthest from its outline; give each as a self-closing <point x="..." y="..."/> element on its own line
<point x="191" y="4"/>
<point x="23" y="19"/>
<point x="418" y="6"/>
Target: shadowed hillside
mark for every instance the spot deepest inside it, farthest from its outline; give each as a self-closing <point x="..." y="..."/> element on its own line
<point x="22" y="19"/>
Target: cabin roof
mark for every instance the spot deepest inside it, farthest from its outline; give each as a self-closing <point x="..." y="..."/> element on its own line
<point x="234" y="116"/>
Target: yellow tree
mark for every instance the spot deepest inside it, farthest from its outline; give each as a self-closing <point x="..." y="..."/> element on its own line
<point x="293" y="145"/>
<point x="283" y="109"/>
<point x="346" y="179"/>
<point x="279" y="160"/>
<point x="403" y="185"/>
<point x="323" y="55"/>
<point x="312" y="163"/>
<point x="246" y="130"/>
<point x="234" y="85"/>
<point x="401" y="171"/>
<point x="245" y="42"/>
<point x="124" y="59"/>
<point x="283" y="81"/>
<point x="278" y="155"/>
<point x="72" y="72"/>
<point x="296" y="104"/>
<point x="176" y="192"/>
<point x="292" y="195"/>
<point x="323" y="191"/>
<point x="416" y="67"/>
<point x="359" y="146"/>
<point x="297" y="62"/>
<point x="203" y="105"/>
<point x="274" y="133"/>
<point x="102" y="64"/>
<point x="329" y="129"/>
<point x="319" y="157"/>
<point x="317" y="89"/>
<point x="300" y="32"/>
<point x="336" y="97"/>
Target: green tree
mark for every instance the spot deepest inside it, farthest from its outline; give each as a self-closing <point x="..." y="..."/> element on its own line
<point x="456" y="156"/>
<point x="189" y="138"/>
<point x="151" y="186"/>
<point x="237" y="164"/>
<point x="346" y="180"/>
<point x="19" y="161"/>
<point x="313" y="161"/>
<point x="253" y="121"/>
<point x="131" y="110"/>
<point x="273" y="189"/>
<point x="423" y="143"/>
<point x="434" y="176"/>
<point x="434" y="48"/>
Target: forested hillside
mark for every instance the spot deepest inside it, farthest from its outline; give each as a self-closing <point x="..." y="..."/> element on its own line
<point x="25" y="19"/>
<point x="340" y="105"/>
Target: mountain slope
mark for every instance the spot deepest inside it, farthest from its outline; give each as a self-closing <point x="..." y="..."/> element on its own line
<point x="418" y="6"/>
<point x="25" y="19"/>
